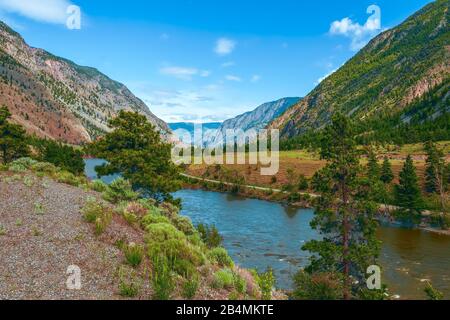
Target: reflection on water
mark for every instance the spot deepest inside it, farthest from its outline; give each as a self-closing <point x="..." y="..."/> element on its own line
<point x="259" y="234"/>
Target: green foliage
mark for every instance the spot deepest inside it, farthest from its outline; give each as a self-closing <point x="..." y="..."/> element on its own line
<point x="44" y="167"/>
<point x="98" y="185"/>
<point x="318" y="286"/>
<point x="165" y="240"/>
<point x="154" y="219"/>
<point x="135" y="150"/>
<point x="220" y="256"/>
<point x="435" y="173"/>
<point x="163" y="282"/>
<point x="67" y="178"/>
<point x="13" y="143"/>
<point x="386" y="175"/>
<point x="184" y="224"/>
<point x="223" y="278"/>
<point x="133" y="254"/>
<point x="129" y="283"/>
<point x="344" y="216"/>
<point x="407" y="192"/>
<point x="303" y="183"/>
<point x="119" y="190"/>
<point x="97" y="213"/>
<point x="210" y="235"/>
<point x="432" y="293"/>
<point x="190" y="287"/>
<point x="266" y="283"/>
<point x="63" y="156"/>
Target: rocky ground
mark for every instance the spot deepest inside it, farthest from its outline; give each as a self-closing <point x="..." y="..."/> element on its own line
<point x="43" y="233"/>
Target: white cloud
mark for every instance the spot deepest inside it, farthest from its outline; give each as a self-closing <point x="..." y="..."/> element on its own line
<point x="228" y="64"/>
<point x="359" y="34"/>
<point x="233" y="78"/>
<point x="324" y="77"/>
<point x="255" y="78"/>
<point x="51" y="11"/>
<point x="184" y="73"/>
<point x="224" y="46"/>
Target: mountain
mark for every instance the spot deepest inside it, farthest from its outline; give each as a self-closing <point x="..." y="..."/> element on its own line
<point x="388" y="78"/>
<point x="56" y="98"/>
<point x="256" y="119"/>
<point x="189" y="126"/>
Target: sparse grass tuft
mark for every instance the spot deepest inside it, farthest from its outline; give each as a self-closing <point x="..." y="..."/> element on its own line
<point x="2" y="230"/>
<point x="220" y="256"/>
<point x="129" y="283"/>
<point x="134" y="254"/>
<point x="223" y="279"/>
<point x="39" y="208"/>
<point x="97" y="213"/>
<point x="98" y="185"/>
<point x="190" y="287"/>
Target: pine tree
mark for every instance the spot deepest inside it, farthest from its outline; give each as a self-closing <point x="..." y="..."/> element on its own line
<point x="434" y="163"/>
<point x="344" y="218"/>
<point x="134" y="149"/>
<point x="408" y="194"/>
<point x="386" y="172"/>
<point x="373" y="168"/>
<point x="13" y="143"/>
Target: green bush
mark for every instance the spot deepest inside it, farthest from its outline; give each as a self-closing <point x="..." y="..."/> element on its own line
<point x="118" y="191"/>
<point x="97" y="213"/>
<point x="134" y="254"/>
<point x="98" y="185"/>
<point x="23" y="163"/>
<point x="220" y="256"/>
<point x="44" y="167"/>
<point x="303" y="183"/>
<point x="153" y="219"/>
<point x="162" y="279"/>
<point x="67" y="178"/>
<point x="190" y="287"/>
<point x="223" y="279"/>
<point x="240" y="284"/>
<point x="164" y="239"/>
<point x="210" y="235"/>
<point x="129" y="283"/>
<point x="184" y="224"/>
<point x="266" y="282"/>
<point x="321" y="286"/>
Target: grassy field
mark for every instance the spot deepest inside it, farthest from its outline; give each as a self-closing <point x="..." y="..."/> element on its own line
<point x="302" y="162"/>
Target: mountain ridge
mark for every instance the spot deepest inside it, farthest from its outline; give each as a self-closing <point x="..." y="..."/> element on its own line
<point x="393" y="71"/>
<point x="53" y="97"/>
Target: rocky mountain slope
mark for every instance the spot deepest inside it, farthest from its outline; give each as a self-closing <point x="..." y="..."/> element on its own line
<point x="386" y="78"/>
<point x="56" y="98"/>
<point x="256" y="119"/>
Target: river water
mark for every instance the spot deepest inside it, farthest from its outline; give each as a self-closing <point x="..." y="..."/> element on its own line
<point x="259" y="234"/>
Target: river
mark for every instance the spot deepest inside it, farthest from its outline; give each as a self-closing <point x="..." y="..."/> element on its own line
<point x="258" y="234"/>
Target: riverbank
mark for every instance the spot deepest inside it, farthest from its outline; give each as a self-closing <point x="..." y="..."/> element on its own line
<point x="292" y="199"/>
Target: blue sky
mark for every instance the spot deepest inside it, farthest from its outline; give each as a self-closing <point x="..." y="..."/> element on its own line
<point x="201" y="61"/>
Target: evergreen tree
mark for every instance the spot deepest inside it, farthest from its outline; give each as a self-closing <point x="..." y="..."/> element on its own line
<point x="135" y="150"/>
<point x="408" y="194"/>
<point x="13" y="143"/>
<point x="344" y="218"/>
<point x="434" y="168"/>
<point x="386" y="172"/>
<point x="373" y="168"/>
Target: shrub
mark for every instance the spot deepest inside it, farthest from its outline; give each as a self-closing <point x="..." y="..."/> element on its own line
<point x="17" y="168"/>
<point x="442" y="220"/>
<point x="67" y="178"/>
<point x="240" y="284"/>
<point x="44" y="167"/>
<point x="39" y="208"/>
<point x="98" y="213"/>
<point x="165" y="240"/>
<point x="24" y="163"/>
<point x="210" y="235"/>
<point x="190" y="287"/>
<point x="153" y="219"/>
<point x="28" y="181"/>
<point x="223" y="279"/>
<point x="303" y="183"/>
<point x="266" y="282"/>
<point x="129" y="284"/>
<point x="133" y="254"/>
<point x="184" y="224"/>
<point x="162" y="279"/>
<point x="220" y="256"/>
<point x="119" y="190"/>
<point x="321" y="286"/>
<point x="98" y="185"/>
<point x="2" y="230"/>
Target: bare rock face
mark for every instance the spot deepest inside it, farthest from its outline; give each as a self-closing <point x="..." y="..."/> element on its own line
<point x="58" y="99"/>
